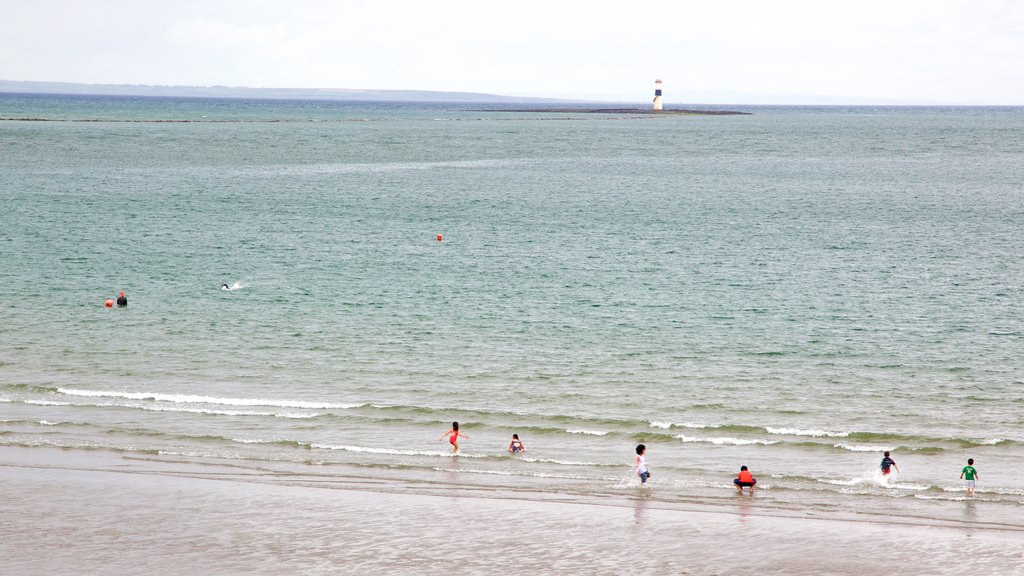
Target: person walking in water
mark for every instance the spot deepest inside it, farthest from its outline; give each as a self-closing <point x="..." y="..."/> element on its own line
<point x="888" y="463"/>
<point x="516" y="445"/>
<point x="968" y="474"/>
<point x="122" y="300"/>
<point x="453" y="437"/>
<point x="641" y="464"/>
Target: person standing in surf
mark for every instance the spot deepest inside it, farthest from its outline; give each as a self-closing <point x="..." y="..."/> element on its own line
<point x="888" y="463"/>
<point x="641" y="464"/>
<point x="453" y="437"/>
<point x="968" y="474"/>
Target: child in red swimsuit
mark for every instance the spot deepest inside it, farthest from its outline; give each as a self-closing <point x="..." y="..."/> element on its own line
<point x="453" y="437"/>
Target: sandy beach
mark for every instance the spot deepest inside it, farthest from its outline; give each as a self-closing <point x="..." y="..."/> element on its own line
<point x="103" y="514"/>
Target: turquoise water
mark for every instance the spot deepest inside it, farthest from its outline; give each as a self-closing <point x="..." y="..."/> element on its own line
<point x="795" y="290"/>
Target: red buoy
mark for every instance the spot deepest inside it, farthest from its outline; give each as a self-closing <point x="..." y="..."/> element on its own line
<point x="109" y="303"/>
<point x="439" y="237"/>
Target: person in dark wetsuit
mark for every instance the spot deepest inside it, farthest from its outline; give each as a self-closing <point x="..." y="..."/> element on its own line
<point x="122" y="300"/>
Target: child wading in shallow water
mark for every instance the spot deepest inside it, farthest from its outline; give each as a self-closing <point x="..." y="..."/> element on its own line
<point x="888" y="463"/>
<point x="453" y="437"/>
<point x="641" y="464"/>
<point x="969" y="474"/>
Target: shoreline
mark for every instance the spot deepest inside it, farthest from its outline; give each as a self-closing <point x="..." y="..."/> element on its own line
<point x="178" y="516"/>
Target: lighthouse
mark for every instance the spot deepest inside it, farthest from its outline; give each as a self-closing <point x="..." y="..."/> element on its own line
<point x="657" y="94"/>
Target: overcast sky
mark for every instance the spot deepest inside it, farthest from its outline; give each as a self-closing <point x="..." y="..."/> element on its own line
<point x="725" y="51"/>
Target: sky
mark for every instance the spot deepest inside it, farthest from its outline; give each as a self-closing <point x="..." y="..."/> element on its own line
<point x="726" y="51"/>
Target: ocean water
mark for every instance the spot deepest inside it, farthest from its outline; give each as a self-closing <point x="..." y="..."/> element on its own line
<point x="795" y="290"/>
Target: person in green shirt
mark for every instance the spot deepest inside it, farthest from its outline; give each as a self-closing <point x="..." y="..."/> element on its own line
<point x="968" y="474"/>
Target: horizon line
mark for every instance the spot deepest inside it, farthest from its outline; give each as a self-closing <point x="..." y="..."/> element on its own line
<point x="280" y="93"/>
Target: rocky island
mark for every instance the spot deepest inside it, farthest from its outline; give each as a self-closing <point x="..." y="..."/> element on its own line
<point x="623" y="111"/>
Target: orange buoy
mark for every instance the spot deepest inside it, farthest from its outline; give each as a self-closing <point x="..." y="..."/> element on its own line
<point x="109" y="303"/>
<point x="439" y="237"/>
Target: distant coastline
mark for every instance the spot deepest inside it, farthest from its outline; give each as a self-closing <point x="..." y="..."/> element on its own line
<point x="338" y="94"/>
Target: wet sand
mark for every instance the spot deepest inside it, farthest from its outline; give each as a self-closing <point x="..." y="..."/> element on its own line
<point x="96" y="513"/>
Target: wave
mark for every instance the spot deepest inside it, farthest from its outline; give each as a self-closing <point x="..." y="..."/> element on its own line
<point x="567" y="462"/>
<point x="395" y="451"/>
<point x="860" y="448"/>
<point x="193" y="399"/>
<point x="669" y="425"/>
<point x="727" y="441"/>
<point x="514" y="473"/>
<point x="47" y="403"/>
<point x="296" y="415"/>
<point x="736" y="434"/>
<point x="800" y="432"/>
<point x="890" y="448"/>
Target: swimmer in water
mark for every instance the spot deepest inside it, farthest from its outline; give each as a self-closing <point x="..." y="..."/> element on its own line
<point x="225" y="287"/>
<point x="516" y="445"/>
<point x="122" y="300"/>
<point x="453" y="437"/>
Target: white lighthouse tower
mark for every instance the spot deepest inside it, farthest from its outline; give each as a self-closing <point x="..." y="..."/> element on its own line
<point x="657" y="94"/>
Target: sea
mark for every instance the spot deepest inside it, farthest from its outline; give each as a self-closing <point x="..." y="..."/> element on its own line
<point x="321" y="288"/>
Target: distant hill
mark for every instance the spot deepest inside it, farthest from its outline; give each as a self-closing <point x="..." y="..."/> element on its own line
<point x="271" y="93"/>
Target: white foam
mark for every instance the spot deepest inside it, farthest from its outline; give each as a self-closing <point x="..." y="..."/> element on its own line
<point x="850" y="482"/>
<point x="862" y="448"/>
<point x="298" y="415"/>
<point x="392" y="451"/>
<point x="667" y="425"/>
<point x="192" y="399"/>
<point x="510" y="473"/>
<point x="727" y="441"/>
<point x="235" y="286"/>
<point x="587" y="432"/>
<point x="46" y="403"/>
<point x="909" y="486"/>
<point x="988" y="441"/>
<point x="560" y="462"/>
<point x="800" y="432"/>
<point x="254" y="441"/>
